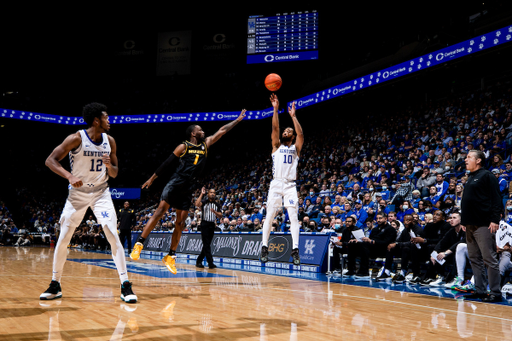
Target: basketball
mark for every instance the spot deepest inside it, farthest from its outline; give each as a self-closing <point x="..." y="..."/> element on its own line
<point x="273" y="82"/>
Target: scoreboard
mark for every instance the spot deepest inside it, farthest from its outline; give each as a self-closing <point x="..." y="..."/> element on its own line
<point x="282" y="37"/>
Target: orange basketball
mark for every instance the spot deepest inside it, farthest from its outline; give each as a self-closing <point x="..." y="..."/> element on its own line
<point x="273" y="82"/>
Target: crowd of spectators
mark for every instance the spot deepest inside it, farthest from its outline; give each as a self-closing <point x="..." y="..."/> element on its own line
<point x="411" y="163"/>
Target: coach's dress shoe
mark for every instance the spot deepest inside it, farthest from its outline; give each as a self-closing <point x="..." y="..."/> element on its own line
<point x="474" y="296"/>
<point x="492" y="298"/>
<point x="199" y="265"/>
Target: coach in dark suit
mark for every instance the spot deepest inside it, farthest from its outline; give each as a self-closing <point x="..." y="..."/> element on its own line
<point x="210" y="212"/>
<point x="481" y="209"/>
<point x="126" y="220"/>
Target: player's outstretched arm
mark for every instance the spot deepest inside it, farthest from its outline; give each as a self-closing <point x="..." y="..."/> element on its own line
<point x="171" y="160"/>
<point x="224" y="129"/>
<point x="53" y="161"/>
<point x="275" y="123"/>
<point x="299" y="140"/>
<point x="110" y="161"/>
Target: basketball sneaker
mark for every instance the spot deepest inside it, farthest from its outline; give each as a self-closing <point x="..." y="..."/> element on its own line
<point x="127" y="294"/>
<point x="399" y="278"/>
<point x="438" y="281"/>
<point x="296" y="257"/>
<point x="427" y="281"/>
<point x="415" y="280"/>
<point x="383" y="275"/>
<point x="264" y="254"/>
<point x="137" y="249"/>
<point x="170" y="263"/>
<point x="464" y="287"/>
<point x="54" y="291"/>
<point x="455" y="281"/>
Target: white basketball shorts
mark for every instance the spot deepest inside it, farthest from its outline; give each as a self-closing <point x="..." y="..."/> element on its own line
<point x="282" y="193"/>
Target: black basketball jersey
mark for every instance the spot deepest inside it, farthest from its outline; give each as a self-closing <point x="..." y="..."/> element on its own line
<point x="192" y="161"/>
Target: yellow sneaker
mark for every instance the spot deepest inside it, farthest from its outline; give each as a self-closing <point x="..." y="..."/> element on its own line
<point x="137" y="248"/>
<point x="169" y="262"/>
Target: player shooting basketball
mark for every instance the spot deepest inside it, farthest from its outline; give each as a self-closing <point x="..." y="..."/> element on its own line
<point x="285" y="157"/>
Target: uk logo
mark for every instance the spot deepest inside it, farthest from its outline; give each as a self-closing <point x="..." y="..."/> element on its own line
<point x="291" y="202"/>
<point x="310" y="245"/>
<point x="104" y="214"/>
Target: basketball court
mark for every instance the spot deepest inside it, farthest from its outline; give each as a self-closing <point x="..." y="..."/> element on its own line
<point x="227" y="303"/>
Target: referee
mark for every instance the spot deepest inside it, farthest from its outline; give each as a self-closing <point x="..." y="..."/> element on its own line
<point x="211" y="211"/>
<point x="126" y="219"/>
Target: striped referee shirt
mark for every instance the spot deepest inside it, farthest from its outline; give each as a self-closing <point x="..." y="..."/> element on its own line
<point x="208" y="215"/>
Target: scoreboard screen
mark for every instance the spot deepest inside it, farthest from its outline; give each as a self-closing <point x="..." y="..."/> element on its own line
<point x="282" y="37"/>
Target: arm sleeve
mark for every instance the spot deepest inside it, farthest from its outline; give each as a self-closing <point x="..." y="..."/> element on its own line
<point x="171" y="161"/>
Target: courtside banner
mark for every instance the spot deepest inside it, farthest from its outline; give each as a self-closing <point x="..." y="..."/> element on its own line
<point x="312" y="246"/>
<point x="125" y="193"/>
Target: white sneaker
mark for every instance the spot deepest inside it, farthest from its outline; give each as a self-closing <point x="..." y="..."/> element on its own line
<point x="453" y="282"/>
<point x="506" y="289"/>
<point x="439" y="281"/>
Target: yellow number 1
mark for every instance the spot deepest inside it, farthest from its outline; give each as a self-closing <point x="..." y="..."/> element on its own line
<point x="197" y="158"/>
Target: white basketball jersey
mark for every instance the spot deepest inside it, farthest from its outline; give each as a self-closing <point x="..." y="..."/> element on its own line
<point x="285" y="160"/>
<point x="86" y="161"/>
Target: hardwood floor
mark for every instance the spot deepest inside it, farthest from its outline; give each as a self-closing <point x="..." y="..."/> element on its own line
<point x="222" y="304"/>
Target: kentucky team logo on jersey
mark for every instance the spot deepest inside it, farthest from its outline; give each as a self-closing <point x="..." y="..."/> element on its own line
<point x="104" y="214"/>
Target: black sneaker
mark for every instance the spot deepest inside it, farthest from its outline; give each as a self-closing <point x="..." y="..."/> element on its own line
<point x="264" y="254"/>
<point x="363" y="275"/>
<point x="213" y="266"/>
<point x="427" y="281"/>
<point x="199" y="265"/>
<point x="399" y="278"/>
<point x="127" y="294"/>
<point x="296" y="257"/>
<point x="492" y="298"/>
<point x="415" y="280"/>
<point x="54" y="291"/>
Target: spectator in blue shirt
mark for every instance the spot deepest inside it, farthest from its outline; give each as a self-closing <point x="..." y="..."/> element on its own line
<point x="360" y="213"/>
<point x="256" y="214"/>
<point x="405" y="209"/>
<point x="441" y="185"/>
<point x="13" y="227"/>
<point x="312" y="195"/>
<point x="508" y="170"/>
<point x="347" y="211"/>
<point x="433" y="197"/>
<point x="503" y="183"/>
<point x="508" y="212"/>
<point x="367" y="202"/>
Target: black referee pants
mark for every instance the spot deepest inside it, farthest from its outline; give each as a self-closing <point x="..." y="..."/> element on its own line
<point x="126" y="234"/>
<point x="207" y="232"/>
